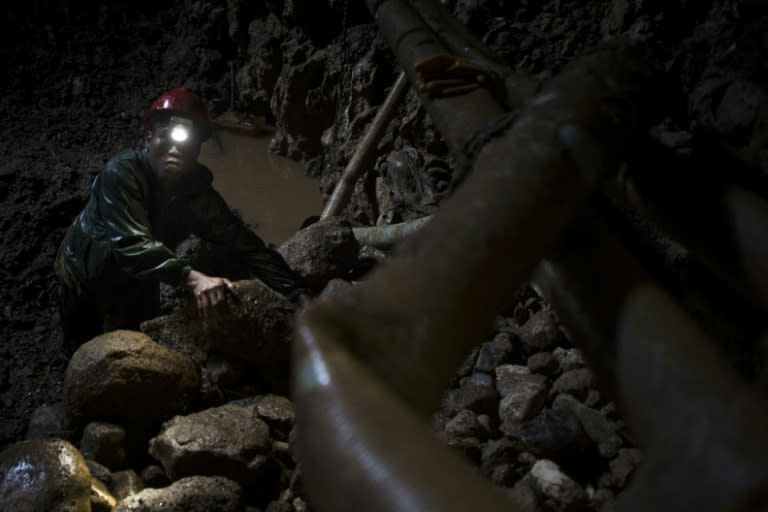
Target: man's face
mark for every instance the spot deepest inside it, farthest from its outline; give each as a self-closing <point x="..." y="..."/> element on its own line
<point x="170" y="156"/>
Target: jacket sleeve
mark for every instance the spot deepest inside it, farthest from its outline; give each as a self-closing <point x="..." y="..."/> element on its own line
<point x="215" y="222"/>
<point x="125" y="216"/>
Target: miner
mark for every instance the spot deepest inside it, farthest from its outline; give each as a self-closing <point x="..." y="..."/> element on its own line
<point x="142" y="205"/>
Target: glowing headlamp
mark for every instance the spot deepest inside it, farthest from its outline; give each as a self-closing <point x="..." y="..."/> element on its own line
<point x="180" y="129"/>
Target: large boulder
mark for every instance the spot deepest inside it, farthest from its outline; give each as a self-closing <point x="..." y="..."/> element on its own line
<point x="124" y="375"/>
<point x="229" y="440"/>
<point x="193" y="494"/>
<point x="255" y="325"/>
<point x="322" y="251"/>
<point x="44" y="474"/>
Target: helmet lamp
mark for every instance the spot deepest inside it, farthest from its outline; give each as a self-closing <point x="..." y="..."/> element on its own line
<point x="180" y="129"/>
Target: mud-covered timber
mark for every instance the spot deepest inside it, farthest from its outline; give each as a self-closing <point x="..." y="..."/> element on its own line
<point x="657" y="363"/>
<point x="364" y="154"/>
<point x="427" y="307"/>
<point x="389" y="235"/>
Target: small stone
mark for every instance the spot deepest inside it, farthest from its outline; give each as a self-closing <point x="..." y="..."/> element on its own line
<point x="279" y="506"/>
<point x="322" y="251"/>
<point x="540" y="333"/>
<point x="99" y="471"/>
<point x="192" y="494"/>
<point x="494" y="353"/>
<point x="574" y="382"/>
<point x="499" y="452"/>
<point x="739" y="106"/>
<point x="228" y="441"/>
<point x="568" y="359"/>
<point x="555" y="434"/>
<point x="48" y="421"/>
<point x="624" y="466"/>
<point x="524" y="497"/>
<point x="593" y="398"/>
<point x="154" y="477"/>
<point x="617" y="17"/>
<point x="299" y="505"/>
<point x="507" y="377"/>
<point x="478" y="379"/>
<point x="101" y="499"/>
<point x="464" y="424"/>
<point x="469" y="363"/>
<point x="559" y="491"/>
<point x="41" y="474"/>
<point x="543" y="363"/>
<point x="125" y="375"/>
<point x="223" y="369"/>
<point x="469" y="447"/>
<point x="603" y="500"/>
<point x="277" y="411"/>
<point x="525" y="396"/>
<point x="104" y="443"/>
<point x="521" y="314"/>
<point x="125" y="483"/>
<point x="482" y="399"/>
<point x="487" y="425"/>
<point x="282" y="453"/>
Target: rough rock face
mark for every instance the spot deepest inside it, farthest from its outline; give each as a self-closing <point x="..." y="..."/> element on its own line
<point x="126" y="375"/>
<point x="48" y="475"/>
<point x="322" y="251"/>
<point x="229" y="440"/>
<point x="193" y="494"/>
<point x="255" y="326"/>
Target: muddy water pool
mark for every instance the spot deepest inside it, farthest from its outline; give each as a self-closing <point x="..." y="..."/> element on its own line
<point x="270" y="192"/>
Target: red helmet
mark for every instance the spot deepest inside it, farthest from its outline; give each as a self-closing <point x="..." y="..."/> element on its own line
<point x="182" y="101"/>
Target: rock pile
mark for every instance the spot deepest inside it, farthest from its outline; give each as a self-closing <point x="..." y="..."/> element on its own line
<point x="526" y="410"/>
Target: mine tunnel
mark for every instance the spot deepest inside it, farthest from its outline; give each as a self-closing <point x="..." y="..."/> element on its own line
<point x="384" y="255"/>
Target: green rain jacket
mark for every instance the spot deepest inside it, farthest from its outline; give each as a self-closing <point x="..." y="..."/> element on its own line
<point x="128" y="231"/>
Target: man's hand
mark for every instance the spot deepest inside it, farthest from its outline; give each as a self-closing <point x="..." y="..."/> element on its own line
<point x="209" y="291"/>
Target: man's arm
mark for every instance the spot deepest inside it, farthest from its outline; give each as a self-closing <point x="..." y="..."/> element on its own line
<point x="138" y="253"/>
<point x="216" y="223"/>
